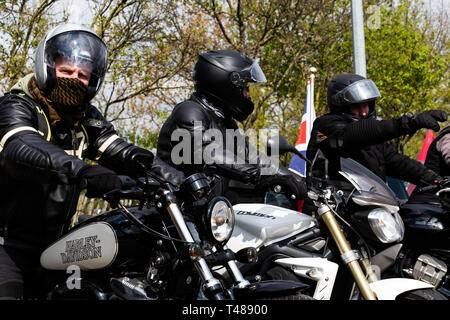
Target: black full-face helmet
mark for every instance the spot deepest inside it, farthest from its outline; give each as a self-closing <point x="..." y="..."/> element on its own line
<point x="224" y="76"/>
<point x="76" y="45"/>
<point x="347" y="89"/>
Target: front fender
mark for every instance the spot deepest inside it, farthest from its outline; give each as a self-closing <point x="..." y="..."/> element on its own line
<point x="389" y="289"/>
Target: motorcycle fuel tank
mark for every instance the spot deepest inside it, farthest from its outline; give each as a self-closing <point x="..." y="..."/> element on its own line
<point x="425" y="222"/>
<point x="90" y="247"/>
<point x="261" y="224"/>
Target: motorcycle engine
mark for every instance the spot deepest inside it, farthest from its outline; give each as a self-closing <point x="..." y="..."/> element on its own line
<point x="429" y="269"/>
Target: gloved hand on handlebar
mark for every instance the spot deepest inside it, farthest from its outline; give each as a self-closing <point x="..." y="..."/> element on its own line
<point x="98" y="180"/>
<point x="142" y="161"/>
<point x="428" y="119"/>
<point x="294" y="183"/>
<point x="138" y="162"/>
<point x="166" y="172"/>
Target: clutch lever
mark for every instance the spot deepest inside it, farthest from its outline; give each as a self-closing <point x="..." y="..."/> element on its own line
<point x="129" y="190"/>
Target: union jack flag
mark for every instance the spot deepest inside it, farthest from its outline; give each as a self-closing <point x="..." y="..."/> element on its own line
<point x="304" y="134"/>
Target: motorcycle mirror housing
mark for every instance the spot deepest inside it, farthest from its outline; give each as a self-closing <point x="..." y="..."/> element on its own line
<point x="278" y="142"/>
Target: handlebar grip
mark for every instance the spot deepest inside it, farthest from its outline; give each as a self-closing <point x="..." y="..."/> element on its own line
<point x="427" y="188"/>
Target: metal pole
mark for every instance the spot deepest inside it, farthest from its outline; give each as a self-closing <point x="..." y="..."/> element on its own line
<point x="359" y="53"/>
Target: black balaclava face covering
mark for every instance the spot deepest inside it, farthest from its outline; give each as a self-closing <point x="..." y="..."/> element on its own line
<point x="68" y="96"/>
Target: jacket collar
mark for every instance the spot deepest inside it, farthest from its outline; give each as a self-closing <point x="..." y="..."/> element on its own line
<point x="22" y="85"/>
<point x="208" y="104"/>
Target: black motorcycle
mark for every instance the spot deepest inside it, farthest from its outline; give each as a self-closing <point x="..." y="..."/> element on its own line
<point x="163" y="248"/>
<point x="425" y="254"/>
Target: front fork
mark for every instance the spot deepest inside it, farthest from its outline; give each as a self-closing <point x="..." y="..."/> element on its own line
<point x="349" y="256"/>
<point x="211" y="283"/>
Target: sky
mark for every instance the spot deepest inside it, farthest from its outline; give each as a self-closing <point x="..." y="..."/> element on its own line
<point x="437" y="4"/>
<point x="79" y="10"/>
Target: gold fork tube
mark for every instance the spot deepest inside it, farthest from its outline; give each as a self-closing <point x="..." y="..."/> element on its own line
<point x="344" y="247"/>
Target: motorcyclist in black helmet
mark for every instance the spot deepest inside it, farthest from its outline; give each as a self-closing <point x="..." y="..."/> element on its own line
<point x="351" y="129"/>
<point x="221" y="80"/>
<point x="438" y="160"/>
<point x="47" y="128"/>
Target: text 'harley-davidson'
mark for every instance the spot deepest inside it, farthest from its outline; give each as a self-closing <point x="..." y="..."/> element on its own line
<point x="163" y="248"/>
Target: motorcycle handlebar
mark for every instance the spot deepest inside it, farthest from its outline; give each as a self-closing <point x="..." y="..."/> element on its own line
<point x="445" y="190"/>
<point x="196" y="185"/>
<point x="129" y="190"/>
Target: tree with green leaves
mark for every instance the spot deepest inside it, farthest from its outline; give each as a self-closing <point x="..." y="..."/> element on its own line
<point x="22" y="25"/>
<point x="153" y="46"/>
<point x="409" y="70"/>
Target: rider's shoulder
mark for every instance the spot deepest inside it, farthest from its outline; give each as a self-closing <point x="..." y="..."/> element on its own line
<point x="188" y="111"/>
<point x="329" y="118"/>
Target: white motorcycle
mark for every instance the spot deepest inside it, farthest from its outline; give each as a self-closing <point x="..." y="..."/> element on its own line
<point x="362" y="223"/>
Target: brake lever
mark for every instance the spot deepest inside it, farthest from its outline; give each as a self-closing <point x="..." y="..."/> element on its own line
<point x="445" y="190"/>
<point x="129" y="190"/>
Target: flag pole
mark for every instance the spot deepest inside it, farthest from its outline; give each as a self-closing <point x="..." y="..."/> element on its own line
<point x="310" y="85"/>
<point x="311" y="76"/>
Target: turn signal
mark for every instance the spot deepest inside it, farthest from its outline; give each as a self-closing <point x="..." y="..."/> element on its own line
<point x="247" y="255"/>
<point x="195" y="252"/>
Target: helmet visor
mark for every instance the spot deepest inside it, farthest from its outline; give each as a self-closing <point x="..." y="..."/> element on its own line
<point x="253" y="73"/>
<point x="357" y="92"/>
<point x="78" y="49"/>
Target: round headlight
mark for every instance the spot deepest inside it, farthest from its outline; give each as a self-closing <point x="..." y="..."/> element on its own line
<point x="387" y="227"/>
<point x="221" y="218"/>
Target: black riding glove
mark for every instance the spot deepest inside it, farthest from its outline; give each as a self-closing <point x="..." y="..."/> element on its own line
<point x="428" y="119"/>
<point x="137" y="163"/>
<point x="287" y="180"/>
<point x="98" y="180"/>
<point x="166" y="172"/>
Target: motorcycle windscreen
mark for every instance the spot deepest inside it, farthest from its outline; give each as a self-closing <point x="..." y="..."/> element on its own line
<point x="371" y="190"/>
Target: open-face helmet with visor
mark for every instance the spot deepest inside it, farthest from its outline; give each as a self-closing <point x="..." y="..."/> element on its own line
<point x="348" y="89"/>
<point x="224" y="76"/>
<point x="75" y="45"/>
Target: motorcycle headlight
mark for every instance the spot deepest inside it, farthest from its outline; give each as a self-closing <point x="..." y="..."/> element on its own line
<point x="220" y="217"/>
<point x="387" y="227"/>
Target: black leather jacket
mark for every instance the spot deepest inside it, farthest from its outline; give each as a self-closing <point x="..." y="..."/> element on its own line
<point x="365" y="141"/>
<point x="243" y="164"/>
<point x="39" y="165"/>
<point x="436" y="160"/>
